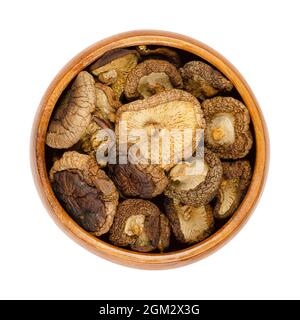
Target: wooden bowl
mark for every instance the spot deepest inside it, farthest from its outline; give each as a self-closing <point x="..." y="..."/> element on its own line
<point x="99" y="247"/>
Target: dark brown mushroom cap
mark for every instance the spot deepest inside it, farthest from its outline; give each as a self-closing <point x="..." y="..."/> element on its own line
<point x="165" y="233"/>
<point x="166" y="111"/>
<point x="73" y="114"/>
<point x="86" y="192"/>
<point x="136" y="224"/>
<point x="235" y="181"/>
<point x="164" y="53"/>
<point x="205" y="191"/>
<point x="139" y="180"/>
<point x="189" y="224"/>
<point x="231" y="139"/>
<point x="203" y="81"/>
<point x="158" y="75"/>
<point x="110" y="56"/>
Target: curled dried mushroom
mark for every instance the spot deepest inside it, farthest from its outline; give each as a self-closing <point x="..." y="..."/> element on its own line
<point x="195" y="183"/>
<point x="150" y="77"/>
<point x="203" y="81"/>
<point x="160" y="53"/>
<point x="113" y="67"/>
<point x="172" y="110"/>
<point x="235" y="181"/>
<point x="139" y="180"/>
<point x="106" y="103"/>
<point x="227" y="132"/>
<point x="137" y="224"/>
<point x="73" y="113"/>
<point x="165" y="233"/>
<point x="85" y="191"/>
<point x="189" y="224"/>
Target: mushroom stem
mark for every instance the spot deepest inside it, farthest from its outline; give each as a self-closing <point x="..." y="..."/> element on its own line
<point x="218" y="134"/>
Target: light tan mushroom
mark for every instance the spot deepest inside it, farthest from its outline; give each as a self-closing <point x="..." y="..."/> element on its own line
<point x="235" y="181"/>
<point x="150" y="77"/>
<point x="227" y="132"/>
<point x="189" y="224"/>
<point x="73" y="113"/>
<point x="85" y="191"/>
<point x="113" y="67"/>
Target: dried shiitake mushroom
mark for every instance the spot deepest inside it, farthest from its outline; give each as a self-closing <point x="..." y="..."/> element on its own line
<point x="171" y="110"/>
<point x="195" y="183"/>
<point x="189" y="224"/>
<point x="139" y="180"/>
<point x="73" y="114"/>
<point x="203" y="81"/>
<point x="150" y="77"/>
<point x="163" y="53"/>
<point x="85" y="191"/>
<point x="113" y="67"/>
<point x="106" y="103"/>
<point x="165" y="233"/>
<point x="137" y="224"/>
<point x="235" y="181"/>
<point x="227" y="127"/>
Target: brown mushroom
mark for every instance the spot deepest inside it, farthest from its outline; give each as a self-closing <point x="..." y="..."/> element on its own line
<point x="203" y="81"/>
<point x="113" y="67"/>
<point x="189" y="224"/>
<point x="235" y="181"/>
<point x="73" y="113"/>
<point x="157" y="116"/>
<point x="106" y="103"/>
<point x="165" y="233"/>
<point x="227" y="132"/>
<point x="150" y="77"/>
<point x="195" y="183"/>
<point x="163" y="53"/>
<point x="85" y="191"/>
<point x="139" y="180"/>
<point x="137" y="224"/>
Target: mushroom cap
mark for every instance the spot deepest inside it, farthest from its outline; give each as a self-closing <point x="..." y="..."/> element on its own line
<point x="151" y="76"/>
<point x="73" y="113"/>
<point x="227" y="132"/>
<point x="89" y="196"/>
<point x="203" y="81"/>
<point x="164" y="53"/>
<point x="136" y="224"/>
<point x="235" y="181"/>
<point x="113" y="67"/>
<point x="139" y="180"/>
<point x="161" y="115"/>
<point x="189" y="224"/>
<point x="195" y="188"/>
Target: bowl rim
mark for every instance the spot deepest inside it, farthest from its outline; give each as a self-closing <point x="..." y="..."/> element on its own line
<point x="104" y="249"/>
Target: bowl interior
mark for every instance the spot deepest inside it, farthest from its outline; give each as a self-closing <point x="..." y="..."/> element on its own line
<point x="43" y="155"/>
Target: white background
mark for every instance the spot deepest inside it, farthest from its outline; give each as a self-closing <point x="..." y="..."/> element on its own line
<point x="37" y="260"/>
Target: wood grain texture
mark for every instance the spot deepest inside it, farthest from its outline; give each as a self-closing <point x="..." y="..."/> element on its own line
<point x="101" y="248"/>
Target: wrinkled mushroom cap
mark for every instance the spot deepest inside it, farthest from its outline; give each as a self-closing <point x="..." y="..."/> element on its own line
<point x="136" y="224"/>
<point x="195" y="185"/>
<point x="189" y="224"/>
<point x="159" y="116"/>
<point x="89" y="196"/>
<point x="139" y="180"/>
<point x="150" y="77"/>
<point x="203" y="81"/>
<point x="113" y="67"/>
<point x="164" y="53"/>
<point x="235" y="181"/>
<point x="227" y="132"/>
<point x="106" y="103"/>
<point x="73" y="113"/>
<point x="165" y="233"/>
